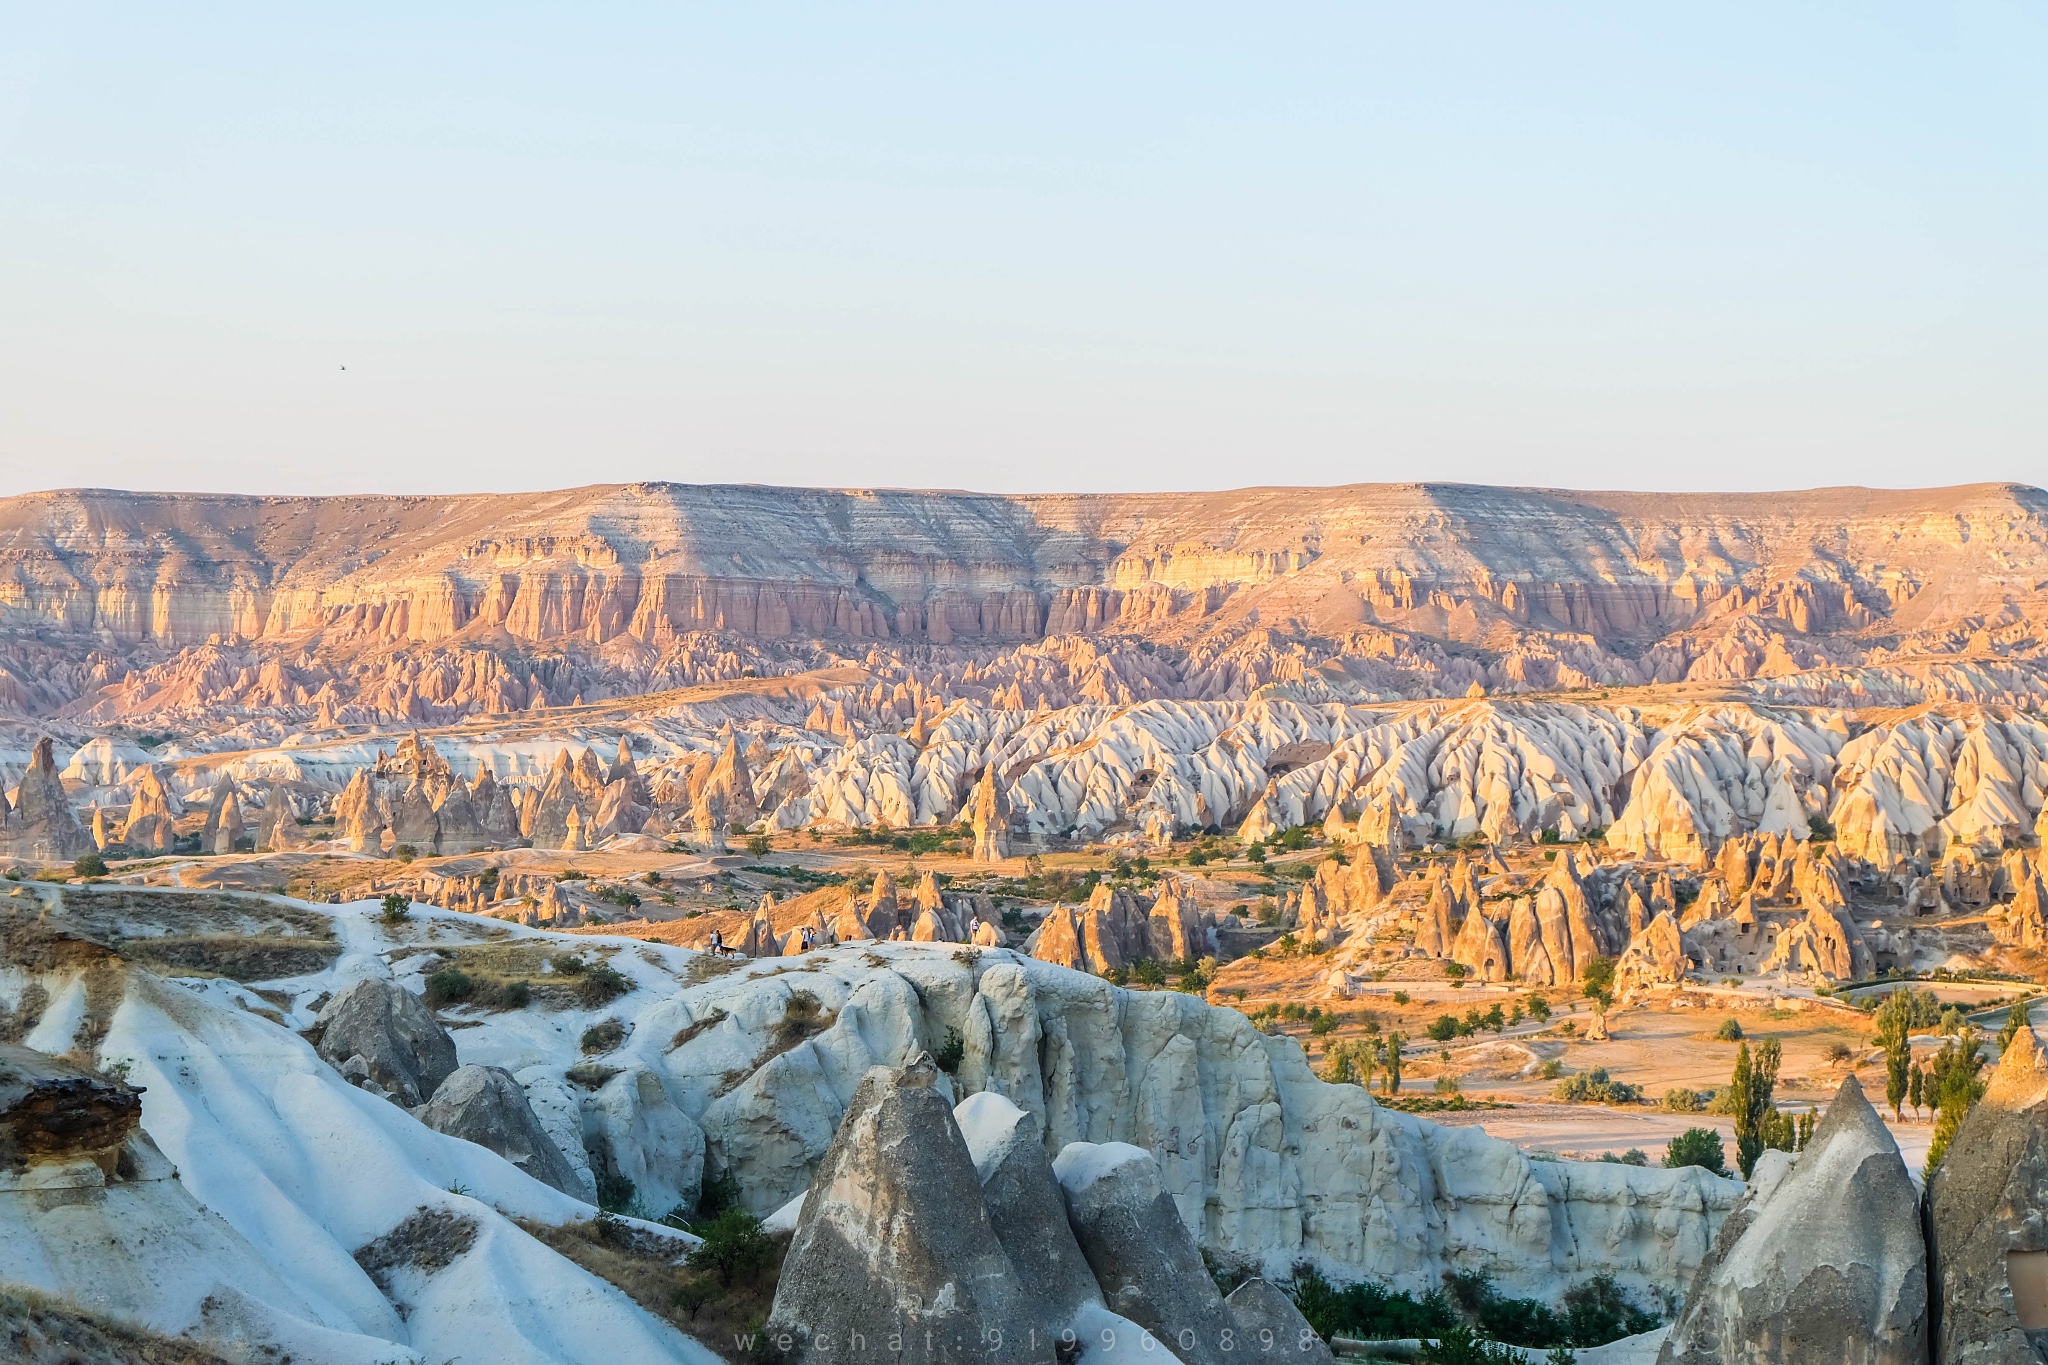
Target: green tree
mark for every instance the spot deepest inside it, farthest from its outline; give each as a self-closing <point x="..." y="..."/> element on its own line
<point x="1539" y="1009"/>
<point x="1597" y="983"/>
<point x="91" y="865"/>
<point x="1894" y="1021"/>
<point x="396" y="908"/>
<point x="2015" y="1020"/>
<point x="1916" y="1083"/>
<point x="1697" y="1147"/>
<point x="1749" y="1099"/>
<point x="1954" y="1084"/>
<point x="1390" y="1063"/>
<point x="734" y="1246"/>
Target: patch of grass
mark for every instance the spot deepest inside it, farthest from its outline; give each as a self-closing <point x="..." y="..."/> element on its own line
<point x="1437" y="1104"/>
<point x="697" y="1028"/>
<point x="40" y="1330"/>
<point x="603" y="1037"/>
<point x="692" y="1297"/>
<point x="510" y="975"/>
<point x="802" y="1017"/>
<point x="252" y="958"/>
<point x="429" y="1239"/>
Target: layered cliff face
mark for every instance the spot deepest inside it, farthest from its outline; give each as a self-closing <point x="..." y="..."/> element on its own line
<point x="129" y="605"/>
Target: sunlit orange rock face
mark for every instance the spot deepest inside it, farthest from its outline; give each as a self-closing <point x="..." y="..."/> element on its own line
<point x="124" y="606"/>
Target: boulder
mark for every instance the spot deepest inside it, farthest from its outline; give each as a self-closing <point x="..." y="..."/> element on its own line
<point x="1025" y="1202"/>
<point x="1826" y="1264"/>
<point x="1987" y="1220"/>
<point x="384" y="1038"/>
<point x="895" y="1256"/>
<point x="485" y="1105"/>
<point x="1270" y="1328"/>
<point x="1143" y="1256"/>
<point x="631" y="1128"/>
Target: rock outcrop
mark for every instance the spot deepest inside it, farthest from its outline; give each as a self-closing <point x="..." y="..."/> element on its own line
<point x="40" y="823"/>
<point x="1826" y="1264"/>
<point x="383" y="1038"/>
<point x="1142" y="1254"/>
<point x="51" y="1110"/>
<point x="1026" y="1205"/>
<point x="1271" y="1329"/>
<point x="1987" y="1220"/>
<point x="991" y="819"/>
<point x="895" y="1246"/>
<point x="485" y="1105"/>
<point x="633" y="1130"/>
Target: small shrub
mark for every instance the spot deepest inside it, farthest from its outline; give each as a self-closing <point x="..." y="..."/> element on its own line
<point x="1447" y="1084"/>
<point x="511" y="995"/>
<point x="1634" y="1156"/>
<point x="615" y="1193"/>
<point x="1366" y="1310"/>
<point x="1597" y="1312"/>
<point x="1458" y="1344"/>
<point x="449" y="985"/>
<point x="604" y="1037"/>
<point x="1697" y="1147"/>
<point x="951" y="1052"/>
<point x="717" y="1195"/>
<point x="758" y="845"/>
<point x="405" y="853"/>
<point x="1552" y="1068"/>
<point x="1683" y="1101"/>
<point x="734" y="1246"/>
<point x="599" y="983"/>
<point x="396" y="909"/>
<point x="1597" y="1087"/>
<point x="1729" y="1032"/>
<point x="1400" y="997"/>
<point x="91" y="865"/>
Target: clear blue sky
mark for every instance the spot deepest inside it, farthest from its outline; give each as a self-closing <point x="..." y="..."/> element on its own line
<point x="1022" y="247"/>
